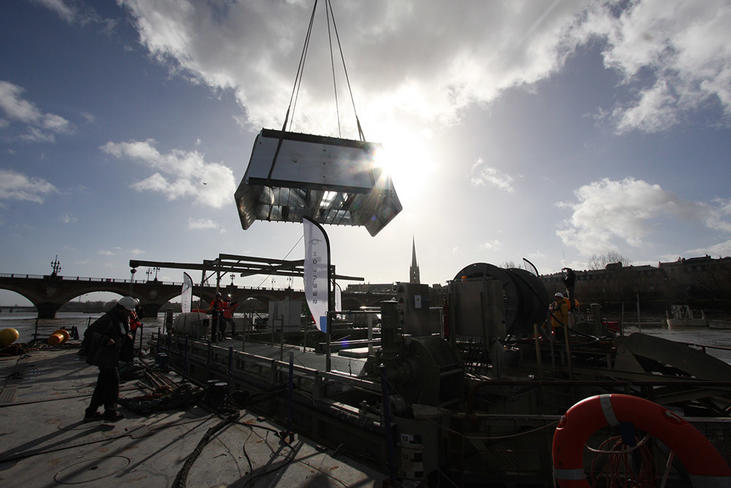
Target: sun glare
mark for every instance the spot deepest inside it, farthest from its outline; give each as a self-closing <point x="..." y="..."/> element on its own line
<point x="407" y="161"/>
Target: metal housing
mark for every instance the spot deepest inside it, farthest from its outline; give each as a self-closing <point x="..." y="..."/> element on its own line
<point x="330" y="180"/>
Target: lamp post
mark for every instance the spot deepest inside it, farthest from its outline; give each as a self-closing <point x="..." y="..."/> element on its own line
<point x="131" y="278"/>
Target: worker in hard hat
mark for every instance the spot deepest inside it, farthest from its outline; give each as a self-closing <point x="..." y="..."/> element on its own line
<point x="215" y="309"/>
<point x="105" y="338"/>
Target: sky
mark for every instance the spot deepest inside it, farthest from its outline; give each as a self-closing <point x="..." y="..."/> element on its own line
<point x="548" y="130"/>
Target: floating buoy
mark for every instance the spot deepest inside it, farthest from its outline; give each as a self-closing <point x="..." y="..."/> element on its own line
<point x="59" y="337"/>
<point x="8" y="336"/>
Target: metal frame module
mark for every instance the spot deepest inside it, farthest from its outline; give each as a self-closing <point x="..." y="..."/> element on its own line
<point x="330" y="180"/>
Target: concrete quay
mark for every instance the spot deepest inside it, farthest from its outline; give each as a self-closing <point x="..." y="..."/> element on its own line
<point x="45" y="443"/>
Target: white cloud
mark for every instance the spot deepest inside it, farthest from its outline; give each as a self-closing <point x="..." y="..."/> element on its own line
<point x="482" y="174"/>
<point x="89" y="117"/>
<point x="675" y="56"/>
<point x="40" y="126"/>
<point x="409" y="61"/>
<point x="178" y="174"/>
<point x="17" y="186"/>
<point x="69" y="219"/>
<point x="493" y="244"/>
<point x="718" y="215"/>
<point x="197" y="224"/>
<point x="722" y="249"/>
<point x="416" y="63"/>
<point x="610" y="212"/>
<point x="64" y="10"/>
<point x="118" y="251"/>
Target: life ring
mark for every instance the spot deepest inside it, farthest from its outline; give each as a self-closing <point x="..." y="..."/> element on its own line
<point x="704" y="464"/>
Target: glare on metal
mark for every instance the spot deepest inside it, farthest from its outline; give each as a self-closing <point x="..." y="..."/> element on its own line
<point x="330" y="180"/>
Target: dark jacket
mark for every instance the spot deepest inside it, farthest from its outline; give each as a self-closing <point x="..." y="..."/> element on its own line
<point x="111" y="325"/>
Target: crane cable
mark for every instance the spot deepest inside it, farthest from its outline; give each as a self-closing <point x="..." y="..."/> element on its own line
<point x="294" y="96"/>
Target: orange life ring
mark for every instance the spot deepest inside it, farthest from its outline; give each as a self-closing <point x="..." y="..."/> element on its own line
<point x="704" y="464"/>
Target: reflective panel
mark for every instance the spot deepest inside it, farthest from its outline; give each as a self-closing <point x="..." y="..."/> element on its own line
<point x="330" y="180"/>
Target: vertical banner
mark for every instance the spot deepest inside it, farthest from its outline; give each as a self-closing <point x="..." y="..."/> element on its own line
<point x="186" y="296"/>
<point x="317" y="272"/>
<point x="338" y="297"/>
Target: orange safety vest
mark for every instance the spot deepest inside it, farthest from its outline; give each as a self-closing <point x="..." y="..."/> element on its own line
<point x="216" y="305"/>
<point x="560" y="311"/>
<point x="228" y="309"/>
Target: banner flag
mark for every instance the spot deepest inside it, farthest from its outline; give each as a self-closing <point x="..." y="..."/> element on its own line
<point x="338" y="297"/>
<point x="186" y="296"/>
<point x="317" y="272"/>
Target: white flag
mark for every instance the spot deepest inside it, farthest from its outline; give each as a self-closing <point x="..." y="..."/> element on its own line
<point x="186" y="296"/>
<point x="317" y="272"/>
<point x="338" y="297"/>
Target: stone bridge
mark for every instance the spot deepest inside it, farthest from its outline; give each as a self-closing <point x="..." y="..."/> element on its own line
<point x="48" y="293"/>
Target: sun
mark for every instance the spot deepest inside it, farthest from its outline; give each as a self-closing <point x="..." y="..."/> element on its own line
<point x="407" y="161"/>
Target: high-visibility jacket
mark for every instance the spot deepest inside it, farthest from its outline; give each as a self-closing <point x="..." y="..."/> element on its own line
<point x="560" y="311"/>
<point x="216" y="305"/>
<point x="134" y="321"/>
<point x="228" y="309"/>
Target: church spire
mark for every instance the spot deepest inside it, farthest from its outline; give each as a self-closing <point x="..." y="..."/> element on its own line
<point x="414" y="270"/>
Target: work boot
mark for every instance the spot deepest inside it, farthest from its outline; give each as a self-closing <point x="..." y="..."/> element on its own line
<point x="91" y="415"/>
<point x="112" y="415"/>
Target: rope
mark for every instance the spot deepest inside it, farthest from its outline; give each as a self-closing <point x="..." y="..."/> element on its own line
<point x="328" y="7"/>
<point x="300" y="70"/>
<point x="620" y="470"/>
<point x="347" y="78"/>
<point x="294" y="96"/>
<point x="285" y="257"/>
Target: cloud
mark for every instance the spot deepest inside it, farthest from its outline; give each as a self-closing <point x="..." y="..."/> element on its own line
<point x="610" y="212"/>
<point x="69" y="219"/>
<point x="722" y="249"/>
<point x="415" y="63"/>
<point x="117" y="251"/>
<point x="40" y="126"/>
<point x="493" y="244"/>
<point x="197" y="224"/>
<point x="17" y="186"/>
<point x="674" y="57"/>
<point x="76" y="12"/>
<point x="178" y="174"/>
<point x="482" y="174"/>
<point x="409" y="61"/>
<point x="63" y="9"/>
<point x="718" y="214"/>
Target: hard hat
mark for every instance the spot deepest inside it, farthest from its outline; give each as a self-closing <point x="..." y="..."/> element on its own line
<point x="558" y="294"/>
<point x="128" y="303"/>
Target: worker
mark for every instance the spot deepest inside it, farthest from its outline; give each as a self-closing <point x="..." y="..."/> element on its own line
<point x="569" y="280"/>
<point x="559" y="313"/>
<point x="215" y="309"/>
<point x="228" y="314"/>
<point x="104" y="342"/>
